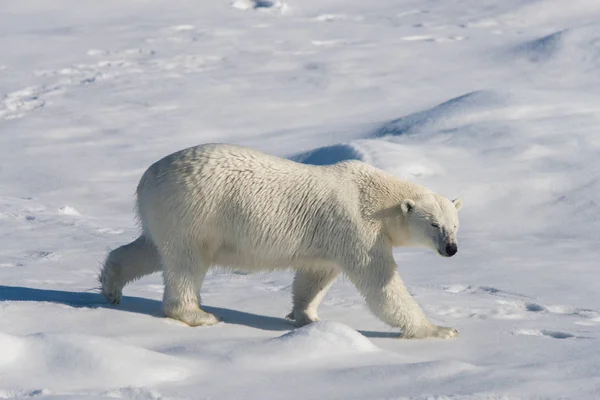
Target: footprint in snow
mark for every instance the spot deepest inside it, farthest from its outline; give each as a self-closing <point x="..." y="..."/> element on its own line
<point x="133" y="393"/>
<point x="19" y="103"/>
<point x="515" y="305"/>
<point x="337" y="17"/>
<point x="547" y="333"/>
<point x="427" y="38"/>
<point x="468" y="289"/>
<point x="589" y="317"/>
<point x="179" y="34"/>
<point x="260" y="4"/>
<point x="131" y="52"/>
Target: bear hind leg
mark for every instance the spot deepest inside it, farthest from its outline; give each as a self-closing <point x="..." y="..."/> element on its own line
<point x="309" y="289"/>
<point x="183" y="274"/>
<point x="125" y="264"/>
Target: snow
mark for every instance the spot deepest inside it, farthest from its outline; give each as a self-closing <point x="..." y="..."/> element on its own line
<point x="67" y="362"/>
<point x="493" y="102"/>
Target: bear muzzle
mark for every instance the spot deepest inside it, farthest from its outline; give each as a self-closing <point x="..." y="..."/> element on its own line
<point x="451" y="249"/>
<point x="448" y="250"/>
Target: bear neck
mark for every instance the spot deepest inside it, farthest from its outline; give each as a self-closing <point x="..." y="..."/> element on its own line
<point x="381" y="191"/>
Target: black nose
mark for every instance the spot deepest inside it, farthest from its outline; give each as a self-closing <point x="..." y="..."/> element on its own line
<point x="451" y="249"/>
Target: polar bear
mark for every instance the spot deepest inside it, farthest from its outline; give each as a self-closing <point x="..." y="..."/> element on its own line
<point x="235" y="207"/>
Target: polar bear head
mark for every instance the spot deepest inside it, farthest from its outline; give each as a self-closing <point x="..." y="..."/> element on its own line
<point x="431" y="221"/>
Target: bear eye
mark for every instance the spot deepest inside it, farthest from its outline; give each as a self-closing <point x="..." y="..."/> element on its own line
<point x="435" y="224"/>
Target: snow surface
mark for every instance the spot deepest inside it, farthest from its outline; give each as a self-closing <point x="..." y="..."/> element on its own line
<point x="497" y="102"/>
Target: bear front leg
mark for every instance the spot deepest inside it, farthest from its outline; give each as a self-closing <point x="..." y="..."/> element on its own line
<point x="387" y="297"/>
<point x="183" y="276"/>
<point x="309" y="288"/>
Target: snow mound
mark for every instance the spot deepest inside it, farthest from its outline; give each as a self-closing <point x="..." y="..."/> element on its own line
<point x="396" y="158"/>
<point x="331" y="154"/>
<point x="319" y="340"/>
<point x="532" y="13"/>
<point x="326" y="337"/>
<point x="579" y="45"/>
<point x="71" y="362"/>
<point x="462" y="110"/>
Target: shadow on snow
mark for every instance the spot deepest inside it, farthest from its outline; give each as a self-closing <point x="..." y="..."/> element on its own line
<point x="151" y="307"/>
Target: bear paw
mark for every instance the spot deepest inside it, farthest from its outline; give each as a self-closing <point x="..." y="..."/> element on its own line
<point x="112" y="290"/>
<point x="197" y="317"/>
<point x="442" y="332"/>
<point x="300" y="318"/>
<point x="433" y="331"/>
<point x="112" y="294"/>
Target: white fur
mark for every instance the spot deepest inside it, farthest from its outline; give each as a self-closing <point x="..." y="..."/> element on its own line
<point x="235" y="207"/>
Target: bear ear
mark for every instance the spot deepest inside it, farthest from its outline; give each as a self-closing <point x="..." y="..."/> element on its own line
<point x="457" y="203"/>
<point x="407" y="205"/>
